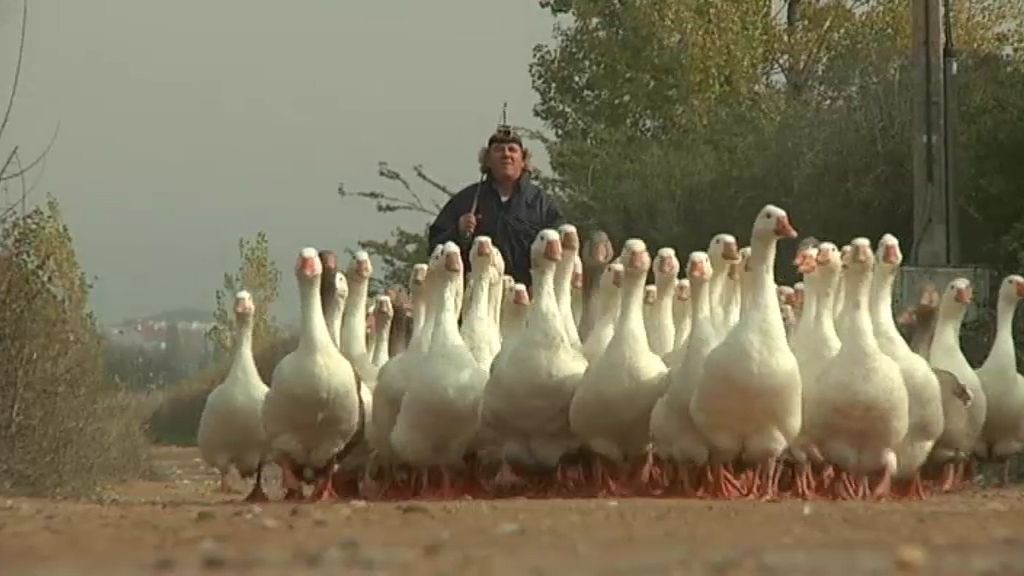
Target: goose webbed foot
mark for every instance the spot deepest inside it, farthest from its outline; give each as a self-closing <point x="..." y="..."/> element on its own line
<point x="257" y="494"/>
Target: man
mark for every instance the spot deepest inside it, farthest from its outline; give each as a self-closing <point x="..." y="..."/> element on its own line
<point x="504" y="205"/>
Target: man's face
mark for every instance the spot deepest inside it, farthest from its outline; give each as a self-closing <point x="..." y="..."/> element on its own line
<point x="506" y="161"/>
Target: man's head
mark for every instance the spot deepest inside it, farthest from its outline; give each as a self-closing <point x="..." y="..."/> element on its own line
<point x="505" y="158"/>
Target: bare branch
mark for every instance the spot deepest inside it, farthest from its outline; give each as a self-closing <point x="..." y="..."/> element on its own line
<point x="10" y="158"/>
<point x="17" y="70"/>
<point x="37" y="160"/>
<point x="422" y="175"/>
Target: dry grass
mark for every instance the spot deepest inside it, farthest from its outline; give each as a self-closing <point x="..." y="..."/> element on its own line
<point x="65" y="428"/>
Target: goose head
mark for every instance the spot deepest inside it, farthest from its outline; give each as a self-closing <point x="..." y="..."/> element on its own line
<point x="546" y="250"/>
<point x="598" y="251"/>
<point x="417" y="277"/>
<point x="482" y="253"/>
<point x="244" y="306"/>
<point x="889" y="256"/>
<point x="698" y="269"/>
<point x="828" y="261"/>
<point x="570" y="238"/>
<point x="308" y="267"/>
<point x="360" y="269"/>
<point x="383" y="311"/>
<point x="635" y="259"/>
<point x="772" y="223"/>
<point x="683" y="287"/>
<point x="520" y="295"/>
<point x="805" y="260"/>
<point x="666" y="266"/>
<point x="723" y="248"/>
<point x="1011" y="290"/>
<point x="650" y="295"/>
<point x="452" y="261"/>
<point x="956" y="298"/>
<point x="859" y="259"/>
<point x="507" y="285"/>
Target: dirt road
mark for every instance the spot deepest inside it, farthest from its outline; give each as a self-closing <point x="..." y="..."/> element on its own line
<point x="176" y="524"/>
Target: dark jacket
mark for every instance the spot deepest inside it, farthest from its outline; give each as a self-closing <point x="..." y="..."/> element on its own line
<point x="512" y="225"/>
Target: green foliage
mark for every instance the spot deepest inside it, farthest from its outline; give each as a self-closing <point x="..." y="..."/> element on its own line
<point x="257" y="273"/>
<point x="709" y="110"/>
<point x="404" y="248"/>
<point x="64" y="427"/>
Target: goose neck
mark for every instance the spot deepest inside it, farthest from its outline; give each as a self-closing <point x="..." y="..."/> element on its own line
<point x="314" y="327"/>
<point x="353" y="338"/>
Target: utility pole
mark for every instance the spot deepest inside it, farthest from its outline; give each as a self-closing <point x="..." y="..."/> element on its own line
<point x="935" y="254"/>
<point x="931" y="203"/>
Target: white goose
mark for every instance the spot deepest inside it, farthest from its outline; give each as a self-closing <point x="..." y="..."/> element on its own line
<point x="478" y="330"/>
<point x="961" y="430"/>
<point x="312" y="411"/>
<point x="1003" y="433"/>
<point x="383" y="315"/>
<point x="231" y="426"/>
<point x="353" y="328"/>
<point x="806" y="265"/>
<point x="820" y="345"/>
<point x="612" y="407"/>
<point x="661" y="331"/>
<point x="924" y="396"/>
<point x="747" y="403"/>
<point x="563" y="281"/>
<point x="723" y="251"/>
<point x="597" y="253"/>
<point x="606" y="308"/>
<point x="675" y="436"/>
<point x="535" y="375"/>
<point x="440" y="416"/>
<point x="399" y="372"/>
<point x="860" y="408"/>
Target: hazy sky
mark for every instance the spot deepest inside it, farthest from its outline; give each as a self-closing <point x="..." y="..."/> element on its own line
<point x="188" y="124"/>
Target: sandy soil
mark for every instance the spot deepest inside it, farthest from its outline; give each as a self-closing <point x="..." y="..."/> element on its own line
<point x="176" y="524"/>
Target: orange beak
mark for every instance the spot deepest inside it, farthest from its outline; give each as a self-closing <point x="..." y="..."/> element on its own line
<point x="553" y="251"/>
<point x="699" y="269"/>
<point x="784" y="229"/>
<point x="862" y="254"/>
<point x="452" y="262"/>
<point x="363" y="268"/>
<point x="730" y="251"/>
<point x="964" y="295"/>
<point x="484" y="249"/>
<point x="891" y="254"/>
<point x="1020" y="289"/>
<point x="309" y="267"/>
<point x="636" y="260"/>
<point x="807" y="264"/>
<point x="666" y="266"/>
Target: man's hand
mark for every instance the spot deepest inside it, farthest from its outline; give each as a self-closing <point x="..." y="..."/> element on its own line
<point x="467" y="223"/>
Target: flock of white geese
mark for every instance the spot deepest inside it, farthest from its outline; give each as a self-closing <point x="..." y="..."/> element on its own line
<point x="717" y="385"/>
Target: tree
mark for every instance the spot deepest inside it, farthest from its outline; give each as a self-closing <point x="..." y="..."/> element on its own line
<point x="258" y="274"/>
<point x="709" y="110"/>
<point x="404" y="248"/>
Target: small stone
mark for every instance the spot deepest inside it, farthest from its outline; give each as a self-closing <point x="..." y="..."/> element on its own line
<point x="296" y="511"/>
<point x="8" y="504"/>
<point x="510" y="528"/>
<point x="254" y="510"/>
<point x="211" y="554"/>
<point x="358" y="504"/>
<point x="319" y="520"/>
<point x="164" y="563"/>
<point x="612" y="503"/>
<point x="910" y="558"/>
<point x="806" y="510"/>
<point x="270" y="523"/>
<point x="203" y="515"/>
